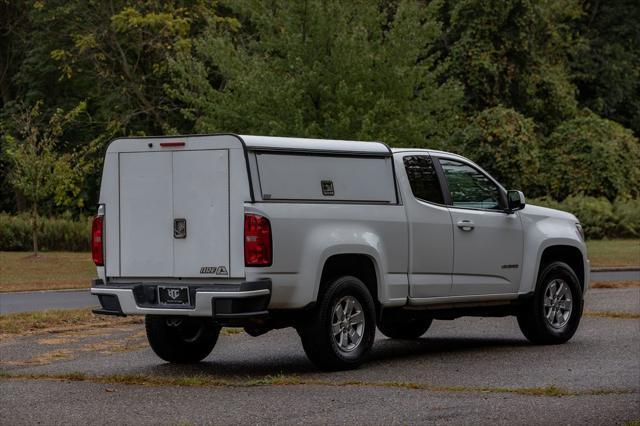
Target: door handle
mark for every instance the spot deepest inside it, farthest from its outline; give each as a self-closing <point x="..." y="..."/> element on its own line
<point x="466" y="225"/>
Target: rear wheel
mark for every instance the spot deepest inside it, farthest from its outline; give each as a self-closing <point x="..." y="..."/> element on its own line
<point x="181" y="339"/>
<point x="553" y="314"/>
<point x="404" y="327"/>
<point x="340" y="333"/>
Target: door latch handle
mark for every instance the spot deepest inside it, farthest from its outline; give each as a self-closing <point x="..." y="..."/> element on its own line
<point x="466" y="225"/>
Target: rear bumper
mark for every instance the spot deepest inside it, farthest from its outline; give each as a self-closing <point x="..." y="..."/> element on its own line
<point x="234" y="301"/>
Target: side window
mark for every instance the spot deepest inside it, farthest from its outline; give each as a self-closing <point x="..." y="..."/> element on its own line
<point x="468" y="187"/>
<point x="423" y="179"/>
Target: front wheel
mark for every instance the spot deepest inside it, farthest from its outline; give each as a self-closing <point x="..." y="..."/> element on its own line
<point x="553" y="314"/>
<point x="181" y="340"/>
<point x="340" y="333"/>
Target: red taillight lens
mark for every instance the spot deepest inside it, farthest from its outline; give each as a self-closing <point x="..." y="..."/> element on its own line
<point x="257" y="240"/>
<point x="97" y="239"/>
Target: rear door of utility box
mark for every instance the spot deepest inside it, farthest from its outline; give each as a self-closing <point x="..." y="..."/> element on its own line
<point x="175" y="211"/>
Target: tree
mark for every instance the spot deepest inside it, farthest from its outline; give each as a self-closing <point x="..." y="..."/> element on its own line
<point x="606" y="64"/>
<point x="512" y="53"/>
<point x="592" y="156"/>
<point x="505" y="143"/>
<point x="111" y="55"/>
<point x="37" y="170"/>
<point x="122" y="48"/>
<point x="330" y="69"/>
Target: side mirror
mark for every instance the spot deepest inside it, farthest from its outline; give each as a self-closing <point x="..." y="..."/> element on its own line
<point x="515" y="201"/>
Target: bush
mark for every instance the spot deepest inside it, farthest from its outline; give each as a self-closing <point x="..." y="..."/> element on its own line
<point x="599" y="217"/>
<point x="505" y="144"/>
<point x="594" y="157"/>
<point x="55" y="234"/>
<point x="595" y="215"/>
<point x="628" y="214"/>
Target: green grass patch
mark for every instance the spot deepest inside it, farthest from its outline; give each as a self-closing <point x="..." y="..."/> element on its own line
<point x="21" y="271"/>
<point x="614" y="253"/>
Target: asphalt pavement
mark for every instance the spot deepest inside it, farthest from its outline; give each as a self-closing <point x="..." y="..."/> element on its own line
<point x="41" y="300"/>
<point x="470" y="370"/>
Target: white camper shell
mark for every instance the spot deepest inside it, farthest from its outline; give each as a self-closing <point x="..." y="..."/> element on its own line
<point x="150" y="183"/>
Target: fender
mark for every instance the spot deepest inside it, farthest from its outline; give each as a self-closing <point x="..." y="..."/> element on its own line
<point x="325" y="242"/>
<point x="540" y="234"/>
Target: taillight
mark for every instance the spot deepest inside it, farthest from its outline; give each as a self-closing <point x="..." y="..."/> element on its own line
<point x="257" y="240"/>
<point x="97" y="239"/>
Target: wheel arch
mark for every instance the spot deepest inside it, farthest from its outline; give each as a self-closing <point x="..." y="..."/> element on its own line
<point x="358" y="264"/>
<point x="569" y="254"/>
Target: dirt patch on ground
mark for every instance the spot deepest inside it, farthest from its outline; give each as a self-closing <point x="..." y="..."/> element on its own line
<point x="615" y="284"/>
<point x="58" y="321"/>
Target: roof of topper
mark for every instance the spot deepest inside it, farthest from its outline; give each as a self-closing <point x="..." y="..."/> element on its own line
<point x="274" y="143"/>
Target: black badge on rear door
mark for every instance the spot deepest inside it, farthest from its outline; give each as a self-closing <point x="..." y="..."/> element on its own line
<point x="327" y="188"/>
<point x="179" y="228"/>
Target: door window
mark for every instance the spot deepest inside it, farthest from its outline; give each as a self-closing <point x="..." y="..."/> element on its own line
<point x="423" y="179"/>
<point x="469" y="188"/>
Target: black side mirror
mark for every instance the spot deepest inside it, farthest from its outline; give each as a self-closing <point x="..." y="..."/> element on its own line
<point x="515" y="201"/>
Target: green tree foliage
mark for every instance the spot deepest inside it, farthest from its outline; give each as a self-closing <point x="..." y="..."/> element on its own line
<point x="37" y="170"/>
<point x="332" y="69"/>
<point x="111" y="55"/>
<point x="592" y="156"/>
<point x="489" y="78"/>
<point x="512" y="53"/>
<point x="505" y="143"/>
<point x="115" y="54"/>
<point x="606" y="64"/>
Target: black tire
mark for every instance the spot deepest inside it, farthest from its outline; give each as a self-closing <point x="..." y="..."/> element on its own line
<point x="404" y="327"/>
<point x="181" y="340"/>
<point x="327" y="350"/>
<point x="532" y="318"/>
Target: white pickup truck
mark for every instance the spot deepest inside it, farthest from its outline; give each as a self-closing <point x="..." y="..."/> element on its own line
<point x="331" y="237"/>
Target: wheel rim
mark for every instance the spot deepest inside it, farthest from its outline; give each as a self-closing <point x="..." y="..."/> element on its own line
<point x="558" y="303"/>
<point x="347" y="323"/>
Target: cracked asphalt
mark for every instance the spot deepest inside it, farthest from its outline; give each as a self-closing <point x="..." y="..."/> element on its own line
<point x="471" y="370"/>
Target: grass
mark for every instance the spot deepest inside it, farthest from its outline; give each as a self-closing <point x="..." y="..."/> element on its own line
<point x="613" y="253"/>
<point x="21" y="271"/>
<point x="57" y="321"/>
<point x="284" y="380"/>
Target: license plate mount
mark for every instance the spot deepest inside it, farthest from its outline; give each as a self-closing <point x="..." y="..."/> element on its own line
<point x="173" y="295"/>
